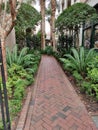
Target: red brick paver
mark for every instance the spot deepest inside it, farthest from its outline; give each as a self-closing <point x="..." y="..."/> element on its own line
<point x="55" y="104"/>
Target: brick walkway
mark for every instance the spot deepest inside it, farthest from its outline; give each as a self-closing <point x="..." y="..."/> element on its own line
<point x="55" y="105"/>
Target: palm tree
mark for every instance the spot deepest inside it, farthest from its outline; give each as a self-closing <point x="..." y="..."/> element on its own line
<point x="42" y="4"/>
<point x="53" y="8"/>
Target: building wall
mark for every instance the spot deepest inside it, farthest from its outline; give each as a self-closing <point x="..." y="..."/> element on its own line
<point x="83" y="1"/>
<point x="92" y="2"/>
<point x="11" y="39"/>
<point x="66" y="3"/>
<point x="66" y="6"/>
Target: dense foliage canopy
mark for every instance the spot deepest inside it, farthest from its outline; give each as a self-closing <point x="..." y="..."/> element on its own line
<point x="28" y="16"/>
<point x="75" y="15"/>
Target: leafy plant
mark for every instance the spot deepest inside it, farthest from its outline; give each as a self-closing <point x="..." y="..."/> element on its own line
<point x="20" y="63"/>
<point x="66" y="64"/>
<point x="48" y="50"/>
<point x="90" y="89"/>
<point x="17" y="81"/>
<point x="79" y="59"/>
<point x="15" y="56"/>
<point x="81" y="12"/>
<point x="93" y="75"/>
<point x="1" y="125"/>
<point x="86" y="87"/>
<point x="22" y="57"/>
<point x="34" y="41"/>
<point x="77" y="76"/>
<point x="94" y="62"/>
<point x="65" y="43"/>
<point x="27" y="17"/>
<point x="14" y="107"/>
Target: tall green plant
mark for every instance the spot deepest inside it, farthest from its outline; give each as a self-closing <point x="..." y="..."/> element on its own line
<point x="79" y="59"/>
<point x="17" y="57"/>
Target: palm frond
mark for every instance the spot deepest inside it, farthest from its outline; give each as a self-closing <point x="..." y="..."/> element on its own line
<point x="8" y="57"/>
<point x="21" y="55"/>
<point x="89" y="55"/>
<point x="82" y="58"/>
<point x="75" y="54"/>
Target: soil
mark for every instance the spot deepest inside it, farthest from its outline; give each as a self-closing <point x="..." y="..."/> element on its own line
<point x="90" y="103"/>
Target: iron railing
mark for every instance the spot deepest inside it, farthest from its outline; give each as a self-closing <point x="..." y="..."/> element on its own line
<point x="3" y="96"/>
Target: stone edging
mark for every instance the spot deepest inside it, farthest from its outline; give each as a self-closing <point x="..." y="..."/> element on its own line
<point x="24" y="112"/>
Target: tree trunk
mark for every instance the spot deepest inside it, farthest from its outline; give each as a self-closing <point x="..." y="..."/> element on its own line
<point x="42" y="3"/>
<point x="53" y="6"/>
<point x="51" y="33"/>
<point x="63" y="3"/>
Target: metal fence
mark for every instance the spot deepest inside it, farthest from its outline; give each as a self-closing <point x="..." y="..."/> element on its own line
<point x="3" y="97"/>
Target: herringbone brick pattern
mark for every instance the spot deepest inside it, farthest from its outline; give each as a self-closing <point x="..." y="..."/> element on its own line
<point x="55" y="105"/>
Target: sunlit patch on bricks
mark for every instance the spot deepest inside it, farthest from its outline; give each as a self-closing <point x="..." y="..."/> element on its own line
<point x="66" y="108"/>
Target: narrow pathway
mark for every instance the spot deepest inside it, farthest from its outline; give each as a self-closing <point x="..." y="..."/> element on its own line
<point x="55" y="104"/>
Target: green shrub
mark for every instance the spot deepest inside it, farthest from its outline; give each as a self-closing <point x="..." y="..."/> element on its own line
<point x="57" y="55"/>
<point x="83" y="65"/>
<point x="65" y="43"/>
<point x="20" y="76"/>
<point x="1" y="125"/>
<point x="77" y="76"/>
<point x="15" y="56"/>
<point x="93" y="75"/>
<point x="90" y="89"/>
<point x="14" y="107"/>
<point x="95" y="90"/>
<point x="48" y="50"/>
<point x="85" y="87"/>
<point x="79" y="59"/>
<point x="94" y="62"/>
<point x="35" y="41"/>
<point x="66" y="64"/>
<point x="23" y="58"/>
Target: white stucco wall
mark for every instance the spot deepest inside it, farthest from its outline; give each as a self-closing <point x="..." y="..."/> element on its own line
<point x="92" y="2"/>
<point x="11" y="39"/>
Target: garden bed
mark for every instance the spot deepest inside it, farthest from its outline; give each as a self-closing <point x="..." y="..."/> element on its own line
<point x="90" y="103"/>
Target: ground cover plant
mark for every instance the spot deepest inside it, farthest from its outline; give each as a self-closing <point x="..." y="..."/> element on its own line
<point x="22" y="66"/>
